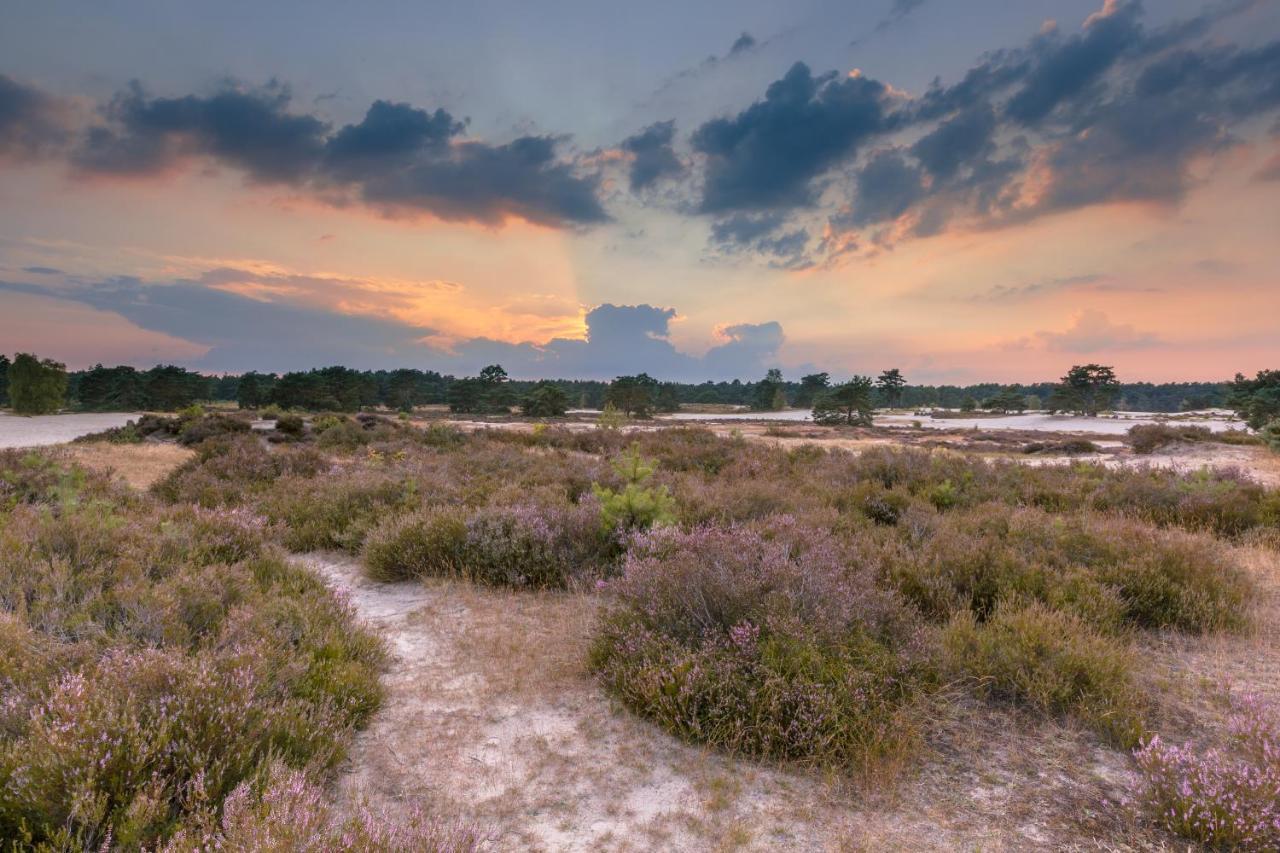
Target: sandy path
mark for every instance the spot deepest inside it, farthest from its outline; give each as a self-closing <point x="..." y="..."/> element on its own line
<point x="490" y="715"/>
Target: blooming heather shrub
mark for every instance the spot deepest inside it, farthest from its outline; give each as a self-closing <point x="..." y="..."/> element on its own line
<point x="426" y="543"/>
<point x="538" y="545"/>
<point x="28" y="477"/>
<point x="1051" y="661"/>
<point x="337" y="510"/>
<point x="154" y="658"/>
<point x="763" y="641"/>
<point x="227" y="472"/>
<point x="1111" y="572"/>
<point x="288" y="811"/>
<point x="1226" y="797"/>
<point x="533" y="545"/>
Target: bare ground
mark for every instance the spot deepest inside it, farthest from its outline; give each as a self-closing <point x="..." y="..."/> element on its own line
<point x="491" y="715"/>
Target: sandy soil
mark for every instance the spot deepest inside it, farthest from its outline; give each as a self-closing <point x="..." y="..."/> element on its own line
<point x="491" y="715"/>
<point x="139" y="465"/>
<point x="43" y="430"/>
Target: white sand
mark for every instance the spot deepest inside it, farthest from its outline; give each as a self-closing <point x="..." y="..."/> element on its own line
<point x="41" y="430"/>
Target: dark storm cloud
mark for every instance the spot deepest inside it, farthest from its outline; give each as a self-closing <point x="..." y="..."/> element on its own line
<point x="397" y="158"/>
<point x="768" y="156"/>
<point x="654" y="158"/>
<point x="389" y="135"/>
<point x="29" y="120"/>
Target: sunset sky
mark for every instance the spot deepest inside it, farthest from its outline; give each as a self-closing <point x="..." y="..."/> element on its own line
<point x="967" y="191"/>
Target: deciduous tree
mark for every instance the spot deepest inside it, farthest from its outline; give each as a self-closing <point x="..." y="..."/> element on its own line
<point x="36" y="387"/>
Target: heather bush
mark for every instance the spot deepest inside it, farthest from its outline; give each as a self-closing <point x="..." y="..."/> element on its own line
<point x="530" y="545"/>
<point x="1227" y="796"/>
<point x="156" y="658"/>
<point x="1110" y="572"/>
<point x="1270" y="435"/>
<point x="29" y="477"/>
<point x="1051" y="661"/>
<point x="426" y="543"/>
<point x="229" y="471"/>
<point x="291" y="425"/>
<point x="768" y="641"/>
<point x="537" y="545"/>
<point x="337" y="509"/>
<point x="199" y="427"/>
<point x="285" y="810"/>
<point x="1147" y="438"/>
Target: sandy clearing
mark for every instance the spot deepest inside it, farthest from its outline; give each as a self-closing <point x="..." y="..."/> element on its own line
<point x="43" y="430"/>
<point x="491" y="715"/>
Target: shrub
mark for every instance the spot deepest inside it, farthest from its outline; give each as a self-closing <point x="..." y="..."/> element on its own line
<point x="291" y="425"/>
<point x="422" y="544"/>
<point x="1270" y="434"/>
<point x="337" y="510"/>
<point x="529" y="545"/>
<point x="155" y="659"/>
<point x="760" y="641"/>
<point x="1111" y="572"/>
<point x="288" y="811"/>
<point x="1050" y="661"/>
<point x="226" y="472"/>
<point x="1224" y="797"/>
<point x="204" y="427"/>
<point x="1147" y="438"/>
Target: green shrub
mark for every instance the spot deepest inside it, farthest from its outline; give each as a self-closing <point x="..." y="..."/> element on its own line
<point x="426" y="543"/>
<point x="1111" y="572"/>
<point x="1051" y="662"/>
<point x="291" y="425"/>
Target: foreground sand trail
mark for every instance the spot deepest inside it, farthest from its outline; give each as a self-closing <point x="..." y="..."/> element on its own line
<point x="491" y="716"/>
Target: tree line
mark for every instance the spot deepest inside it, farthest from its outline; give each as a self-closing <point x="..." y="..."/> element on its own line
<point x="43" y="385"/>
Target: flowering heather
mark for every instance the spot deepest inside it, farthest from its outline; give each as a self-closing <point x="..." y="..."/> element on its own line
<point x="287" y="811"/>
<point x="154" y="658"/>
<point x="1225" y="797"/>
<point x="767" y="641"/>
<point x="529" y="545"/>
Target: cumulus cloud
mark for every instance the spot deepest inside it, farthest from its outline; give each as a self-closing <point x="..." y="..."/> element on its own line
<point x="763" y="233"/>
<point x="769" y="156"/>
<point x="31" y="121"/>
<point x="1115" y="112"/>
<point x="653" y="157"/>
<point x="398" y="158"/>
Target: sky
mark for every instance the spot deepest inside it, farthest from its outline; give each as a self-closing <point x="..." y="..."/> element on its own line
<point x="967" y="191"/>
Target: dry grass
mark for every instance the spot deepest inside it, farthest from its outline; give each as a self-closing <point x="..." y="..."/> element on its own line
<point x="139" y="465"/>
